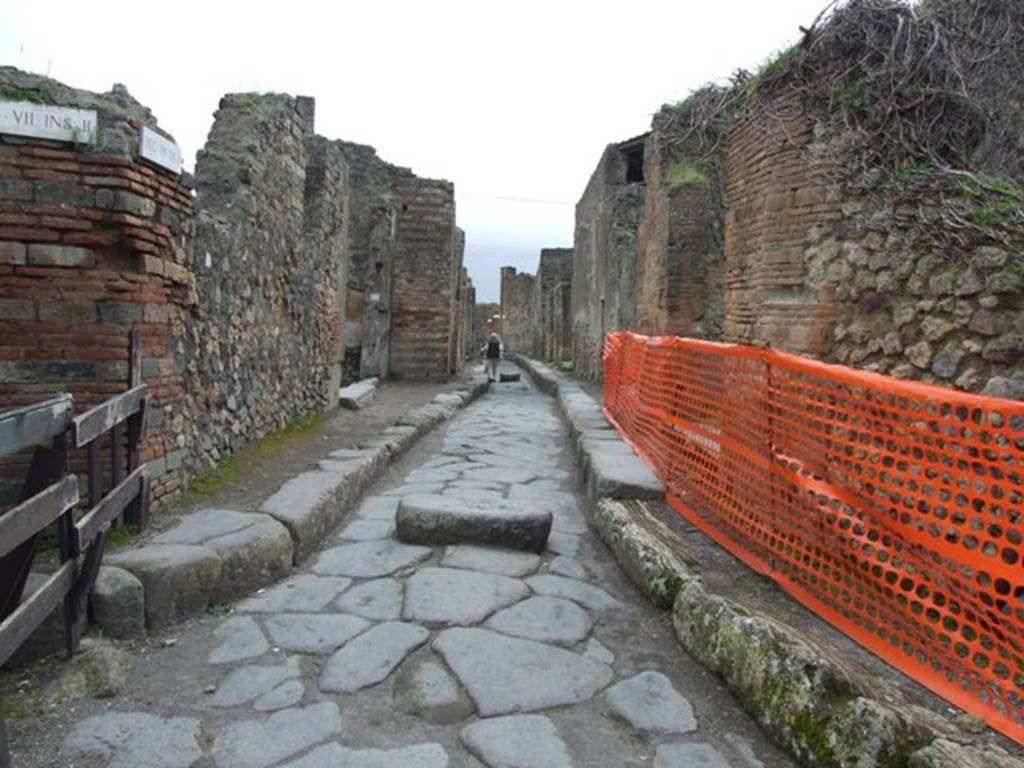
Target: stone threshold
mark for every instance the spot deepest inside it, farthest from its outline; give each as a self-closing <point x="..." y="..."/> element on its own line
<point x="217" y="555"/>
<point x="802" y="694"/>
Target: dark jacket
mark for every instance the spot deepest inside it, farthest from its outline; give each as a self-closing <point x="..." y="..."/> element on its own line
<point x="494" y="350"/>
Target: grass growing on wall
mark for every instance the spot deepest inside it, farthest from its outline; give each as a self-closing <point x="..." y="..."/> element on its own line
<point x="228" y="471"/>
<point x="686" y="172"/>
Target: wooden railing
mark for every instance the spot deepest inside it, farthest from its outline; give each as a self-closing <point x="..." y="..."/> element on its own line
<point x="50" y="494"/>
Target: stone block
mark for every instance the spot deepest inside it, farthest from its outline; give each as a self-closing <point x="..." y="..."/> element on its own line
<point x="46" y="255"/>
<point x="67" y="312"/>
<point x="180" y="580"/>
<point x="120" y="312"/>
<point x="359" y="395"/>
<point x="254" y="549"/>
<point x="13" y="253"/>
<point x="615" y="476"/>
<point x="452" y="519"/>
<point x="312" y="505"/>
<point x="119" y="603"/>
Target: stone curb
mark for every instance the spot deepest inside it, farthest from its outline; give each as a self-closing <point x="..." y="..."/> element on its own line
<point x="812" y="702"/>
<point x="209" y="560"/>
<point x="610" y="467"/>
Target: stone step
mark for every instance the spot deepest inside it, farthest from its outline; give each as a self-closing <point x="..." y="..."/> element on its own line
<point x="433" y="519"/>
<point x="358" y="395"/>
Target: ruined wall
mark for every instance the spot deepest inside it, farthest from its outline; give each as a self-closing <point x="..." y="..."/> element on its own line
<point x="604" y="273"/>
<point x="776" y="199"/>
<point x="423" y="301"/>
<point x="94" y="242"/>
<point x="266" y="332"/>
<point x="846" y="242"/>
<point x="468" y="332"/>
<point x="373" y="217"/>
<point x="488" y="321"/>
<point x="553" y="271"/>
<point x="680" y="262"/>
<point x="520" y="313"/>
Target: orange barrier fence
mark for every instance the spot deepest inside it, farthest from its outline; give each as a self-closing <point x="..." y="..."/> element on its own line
<point x="890" y="508"/>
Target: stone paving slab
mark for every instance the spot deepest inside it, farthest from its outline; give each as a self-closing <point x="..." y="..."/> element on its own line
<point x="371" y="657"/>
<point x="302" y="594"/>
<point x="455" y="519"/>
<point x="369" y="559"/>
<point x="313" y="632"/>
<point x="261" y="743"/>
<point x="648" y="702"/>
<point x="336" y="756"/>
<point x="449" y="596"/>
<point x="501" y="561"/>
<point x="136" y="740"/>
<point x="505" y="675"/>
<point x="517" y="741"/>
<point x="358" y="395"/>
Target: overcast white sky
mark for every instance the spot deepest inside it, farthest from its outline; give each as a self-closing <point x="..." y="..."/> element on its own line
<point x="507" y="100"/>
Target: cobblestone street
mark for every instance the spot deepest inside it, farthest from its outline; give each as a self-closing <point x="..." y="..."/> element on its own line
<point x="380" y="653"/>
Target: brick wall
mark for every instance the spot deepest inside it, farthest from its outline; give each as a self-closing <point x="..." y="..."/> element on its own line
<point x="93" y="243"/>
<point x="423" y="301"/>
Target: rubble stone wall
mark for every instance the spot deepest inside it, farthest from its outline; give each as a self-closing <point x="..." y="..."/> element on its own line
<point x="520" y="313"/>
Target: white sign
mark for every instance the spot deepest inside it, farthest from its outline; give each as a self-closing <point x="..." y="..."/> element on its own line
<point x="46" y="121"/>
<point x="158" y="150"/>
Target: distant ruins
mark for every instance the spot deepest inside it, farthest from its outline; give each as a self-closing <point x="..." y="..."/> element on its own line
<point x="289" y="265"/>
<point x="815" y="207"/>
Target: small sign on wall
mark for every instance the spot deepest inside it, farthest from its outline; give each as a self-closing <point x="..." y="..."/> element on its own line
<point x="159" y="150"/>
<point x="46" y="121"/>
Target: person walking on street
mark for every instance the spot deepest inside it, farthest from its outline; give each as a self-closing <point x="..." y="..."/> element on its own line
<point x="493" y="357"/>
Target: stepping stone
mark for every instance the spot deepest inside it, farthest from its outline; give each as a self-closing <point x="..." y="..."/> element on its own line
<point x="358" y="395"/>
<point x="368" y="530"/>
<point x="379" y="600"/>
<point x="371" y="657"/>
<point x="135" y="740"/>
<point x="411" y="488"/>
<point x="313" y="632"/>
<point x="427" y="689"/>
<point x="118" y="603"/>
<point x="564" y="507"/>
<point x="479" y="496"/>
<point x="517" y="741"/>
<point x="451" y="519"/>
<point x="241" y="638"/>
<point x="369" y="559"/>
<point x="254" y="549"/>
<point x="648" y="702"/>
<point x="378" y="508"/>
<point x="301" y="594"/>
<point x="256" y="744"/>
<point x="689" y="756"/>
<point x="598" y="652"/>
<point x="587" y="595"/>
<point x="544" y="619"/>
<point x="336" y="756"/>
<point x="505" y="675"/>
<point x="564" y="565"/>
<point x="449" y="596"/>
<point x="504" y="562"/>
<point x="250" y="683"/>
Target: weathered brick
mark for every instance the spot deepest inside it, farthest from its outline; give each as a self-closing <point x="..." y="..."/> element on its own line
<point x="60" y="256"/>
<point x="14" y="309"/>
<point x="64" y="193"/>
<point x="16" y="189"/>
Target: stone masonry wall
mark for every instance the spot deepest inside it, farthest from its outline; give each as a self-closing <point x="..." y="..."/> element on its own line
<point x="520" y="313"/>
<point x="423" y="301"/>
<point x="553" y="271"/>
<point x="604" y="271"/>
<point x="266" y="331"/>
<point x="679" y="289"/>
<point x="93" y="243"/>
<point x="373" y="217"/>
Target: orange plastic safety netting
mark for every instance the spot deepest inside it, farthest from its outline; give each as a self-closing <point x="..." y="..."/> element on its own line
<point x="890" y="508"/>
